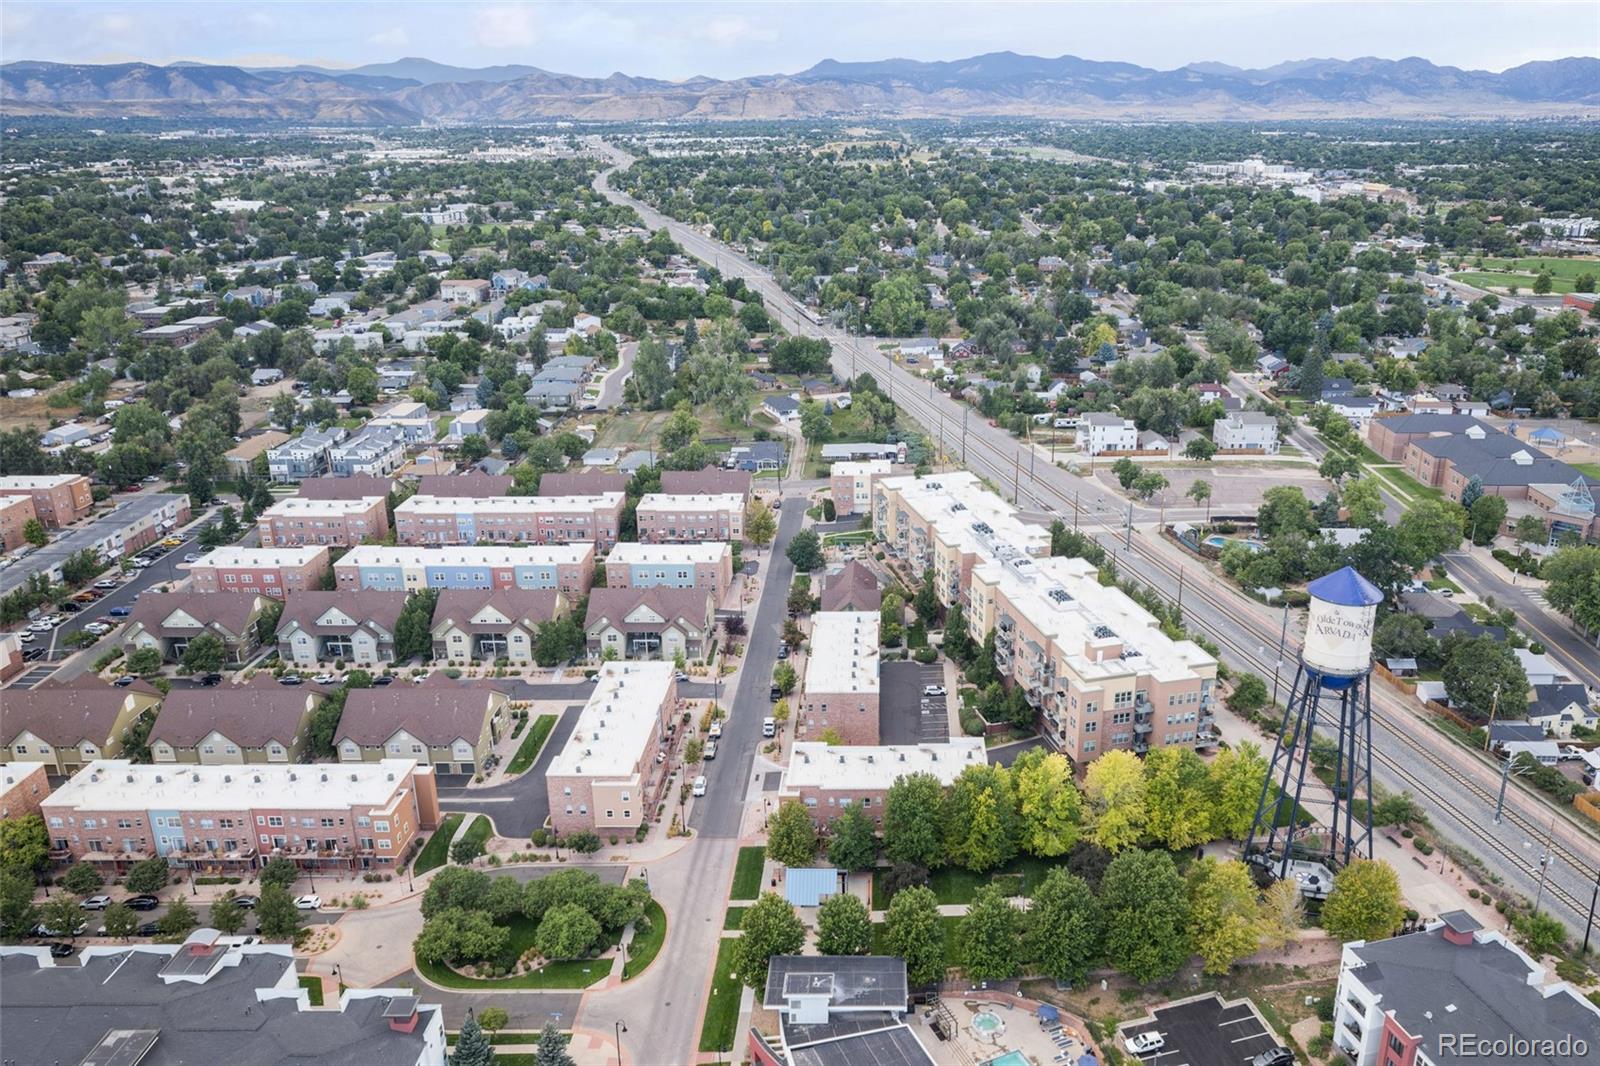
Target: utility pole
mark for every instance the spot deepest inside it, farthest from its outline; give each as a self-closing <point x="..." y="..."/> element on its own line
<point x="1547" y="859"/>
<point x="1283" y="638"/>
<point x="1181" y="574"/>
<point x="1589" y="924"/>
<point x="1505" y="775"/>
<point x="1016" y="478"/>
<point x="1494" y="708"/>
<point x="1127" y="529"/>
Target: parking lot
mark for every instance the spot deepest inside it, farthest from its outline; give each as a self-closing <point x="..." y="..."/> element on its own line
<point x="1203" y="1032"/>
<point x="901" y="717"/>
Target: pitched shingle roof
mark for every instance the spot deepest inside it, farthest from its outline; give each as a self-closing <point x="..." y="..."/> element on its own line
<point x="459" y="606"/>
<point x="854" y="588"/>
<point x="304" y="608"/>
<point x="230" y="612"/>
<point x="64" y="713"/>
<point x="473" y="485"/>
<point x="691" y="605"/>
<point x="249" y="715"/>
<point x="344" y="488"/>
<point x="437" y="712"/>
<point x="582" y="484"/>
<point x="710" y="480"/>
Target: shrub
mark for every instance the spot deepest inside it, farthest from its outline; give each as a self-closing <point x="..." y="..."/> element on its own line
<point x="540" y="838"/>
<point x="586" y="842"/>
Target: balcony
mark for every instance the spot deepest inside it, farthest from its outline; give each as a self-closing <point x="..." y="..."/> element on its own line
<point x="1142" y="728"/>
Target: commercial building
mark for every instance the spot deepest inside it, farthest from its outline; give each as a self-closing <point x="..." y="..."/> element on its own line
<point x="342" y="523"/>
<point x="665" y="519"/>
<point x="134" y="523"/>
<point x="1246" y="432"/>
<point x="260" y="721"/>
<point x="1102" y="433"/>
<point x="606" y="778"/>
<point x="274" y="572"/>
<point x="23" y="787"/>
<point x="1420" y="999"/>
<point x="360" y="816"/>
<point x="568" y="567"/>
<point x="66" y="724"/>
<point x="440" y="723"/>
<point x="707" y="565"/>
<point x="839" y="696"/>
<point x="210" y="999"/>
<point x="58" y="499"/>
<point x="851" y="484"/>
<point x="510" y="519"/>
<point x="838" y="1011"/>
<point x="828" y="779"/>
<point x="488" y="625"/>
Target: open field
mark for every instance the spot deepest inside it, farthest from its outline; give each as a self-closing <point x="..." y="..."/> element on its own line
<point x="1503" y="273"/>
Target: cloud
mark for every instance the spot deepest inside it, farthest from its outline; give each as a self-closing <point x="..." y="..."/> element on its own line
<point x="394" y="36"/>
<point x="115" y="25"/>
<point x="732" y="30"/>
<point x="505" y="26"/>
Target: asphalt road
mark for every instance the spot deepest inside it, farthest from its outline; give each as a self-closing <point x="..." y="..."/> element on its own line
<point x="518" y="807"/>
<point x="1577" y="654"/>
<point x="611" y="390"/>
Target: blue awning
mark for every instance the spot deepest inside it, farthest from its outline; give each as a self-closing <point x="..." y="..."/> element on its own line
<point x="1047" y="1013"/>
<point x="808" y="886"/>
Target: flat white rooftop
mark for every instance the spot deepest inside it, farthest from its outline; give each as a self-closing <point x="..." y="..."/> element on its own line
<point x="664" y="501"/>
<point x="632" y="553"/>
<point x="515" y="504"/>
<point x="967" y="515"/>
<point x="813" y="764"/>
<point x="861" y="468"/>
<point x="232" y="556"/>
<point x="311" y="508"/>
<point x="613" y="728"/>
<point x="119" y="785"/>
<point x="36" y="481"/>
<point x="844" y="652"/>
<point x="530" y="554"/>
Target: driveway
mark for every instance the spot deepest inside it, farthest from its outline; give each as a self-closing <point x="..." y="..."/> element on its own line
<point x="611" y="389"/>
<point x="518" y="807"/>
<point x="902" y="719"/>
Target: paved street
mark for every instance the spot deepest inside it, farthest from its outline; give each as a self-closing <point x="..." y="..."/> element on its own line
<point x="1474" y="570"/>
<point x="611" y="390"/>
<point x="518" y="807"/>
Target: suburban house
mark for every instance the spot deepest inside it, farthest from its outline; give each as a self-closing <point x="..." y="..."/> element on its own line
<point x="783" y="408"/>
<point x="170" y="621"/>
<point x="650" y="623"/>
<point x="1557" y="707"/>
<point x="1103" y="433"/>
<point x="325" y="627"/>
<point x="68" y="724"/>
<point x="464" y="290"/>
<point x="490" y="624"/>
<point x="1249" y="432"/>
<point x="757" y="456"/>
<point x="257" y="722"/>
<point x="439" y="723"/>
<point x="468" y="423"/>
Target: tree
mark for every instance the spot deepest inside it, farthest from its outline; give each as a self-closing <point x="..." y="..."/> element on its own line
<point x="1178" y="811"/>
<point x="226" y="915"/>
<point x="493" y="1019"/>
<point x="1403" y="636"/>
<point x="1249" y="694"/>
<point x="144" y="661"/>
<point x="1146" y="915"/>
<point x="760" y="525"/>
<point x="24" y="843"/>
<point x="1236" y="776"/>
<point x="1530" y="529"/>
<point x="843" y="926"/>
<point x="770" y="928"/>
<point x="1572" y="584"/>
<point x="912" y="930"/>
<point x="991" y="936"/>
<point x="1199" y="449"/>
<point x="926" y="602"/>
<point x="122" y="921"/>
<point x="1485" y="517"/>
<point x="149" y="875"/>
<point x="1364" y="903"/>
<point x="33" y="532"/>
<point x="1428" y="529"/>
<point x="1336" y="466"/>
<point x="1064" y="926"/>
<point x="1284" y="509"/>
<point x="805" y="551"/>
<point x="179" y="919"/>
<point x="1148" y="483"/>
<point x="1048" y="803"/>
<point x="279" y="871"/>
<point x="413" y="629"/>
<point x="680" y="430"/>
<point x="1126" y="471"/>
<point x="62" y="916"/>
<point x="566" y="932"/>
<point x="852" y="844"/>
<point x="1200" y="492"/>
<point x="1114" y="789"/>
<point x="652" y="373"/>
<point x="552" y="1047"/>
<point x="791" y="836"/>
<point x="913" y="820"/>
<point x="1483" y="677"/>
<point x="83" y="879"/>
<point x="981" y="819"/>
<point x="466" y="849"/>
<point x="17" y="911"/>
<point x="457" y="887"/>
<point x="205" y="654"/>
<point x="455" y="937"/>
<point x="472" y="1047"/>
<point x="815" y="424"/>
<point x="1283" y="912"/>
<point x="1224" y="916"/>
<point x="1363" y="502"/>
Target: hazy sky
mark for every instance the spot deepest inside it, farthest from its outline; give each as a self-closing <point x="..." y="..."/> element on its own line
<point x="728" y="40"/>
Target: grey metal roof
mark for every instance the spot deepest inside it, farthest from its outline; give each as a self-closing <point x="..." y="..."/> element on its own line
<point x="894" y="1046"/>
<point x="128" y="512"/>
<point x="852" y="982"/>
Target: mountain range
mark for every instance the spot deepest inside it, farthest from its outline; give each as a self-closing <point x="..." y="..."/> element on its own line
<point x="415" y="90"/>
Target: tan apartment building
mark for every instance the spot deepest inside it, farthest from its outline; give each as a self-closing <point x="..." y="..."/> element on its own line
<point x="606" y="777"/>
<point x="58" y="499"/>
<point x="680" y="519"/>
<point x="439" y="723"/>
<point x="706" y="565"/>
<point x="487" y="625"/>
<point x="67" y="724"/>
<point x="24" y="786"/>
<point x="829" y="779"/>
<point x="839" y="695"/>
<point x="510" y="519"/>
<point x="260" y="721"/>
<point x="274" y="572"/>
<point x="338" y="523"/>
<point x="232" y="819"/>
<point x="851" y="484"/>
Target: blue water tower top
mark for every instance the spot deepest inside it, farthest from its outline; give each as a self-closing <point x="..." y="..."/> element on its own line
<point x="1345" y="588"/>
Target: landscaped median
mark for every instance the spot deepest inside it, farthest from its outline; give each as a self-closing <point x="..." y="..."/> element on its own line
<point x="722" y="1007"/>
<point x="531" y="745"/>
<point x="437" y="849"/>
<point x="646" y="943"/>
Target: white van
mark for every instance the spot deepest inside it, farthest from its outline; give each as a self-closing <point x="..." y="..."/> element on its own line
<point x="769" y="726"/>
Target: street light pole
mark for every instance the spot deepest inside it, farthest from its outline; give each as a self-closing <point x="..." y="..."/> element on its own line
<point x="1277" y="667"/>
<point x="619" y="1029"/>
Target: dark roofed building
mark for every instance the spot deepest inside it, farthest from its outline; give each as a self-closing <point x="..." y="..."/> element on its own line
<point x="476" y="486"/>
<point x="1557" y="708"/>
<point x="259" y="721"/>
<point x="489" y="624"/>
<point x="68" y="724"/>
<point x="590" y="483"/>
<point x="239" y="1005"/>
<point x="439" y="723"/>
<point x="355" y="487"/>
<point x="854" y="588"/>
<point x="169" y="621"/>
<point x="650" y="623"/>
<point x="325" y="627"/>
<point x="840" y="1011"/>
<point x="709" y="481"/>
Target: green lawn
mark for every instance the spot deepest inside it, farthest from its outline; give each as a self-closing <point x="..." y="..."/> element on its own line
<point x="950" y="923"/>
<point x="722" y="1009"/>
<point x="437" y="850"/>
<point x="646" y="945"/>
<point x="529" y="749"/>
<point x="747" y="874"/>
<point x="734" y="919"/>
<point x="1555" y="266"/>
<point x="951" y="884"/>
<point x="1590" y="469"/>
<point x="1524" y="272"/>
<point x="1439" y="584"/>
<point x="313" y="987"/>
<point x="480" y="830"/>
<point x="572" y="973"/>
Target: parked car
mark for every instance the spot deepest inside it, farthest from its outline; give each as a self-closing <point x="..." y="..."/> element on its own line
<point x="783" y="651"/>
<point x="120" y="612"/>
<point x="310" y="902"/>
<point x="291" y="679"/>
<point x="775" y="694"/>
<point x="325" y="679"/>
<point x="150" y="479"/>
<point x="1144" y="1043"/>
<point x="211" y="680"/>
<point x="933" y="690"/>
<point x="140" y="562"/>
<point x="106" y="583"/>
<point x="715" y="731"/>
<point x="710" y="751"/>
<point x="96" y="903"/>
<point x="58" y="950"/>
<point x="191" y="557"/>
<point x="247" y="902"/>
<point x="379" y="682"/>
<point x="682" y="676"/>
<point x="125" y="680"/>
<point x="769" y="726"/>
<point x="700" y="785"/>
<point x="144" y="902"/>
<point x="99" y="629"/>
<point x="149" y="929"/>
<point x="26" y="636"/>
<point x="41" y="930"/>
<point x="1278" y="1056"/>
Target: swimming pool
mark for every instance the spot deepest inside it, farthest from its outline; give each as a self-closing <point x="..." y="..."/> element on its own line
<point x="1217" y="540"/>
<point x="987" y="1023"/>
<point x="1010" y="1058"/>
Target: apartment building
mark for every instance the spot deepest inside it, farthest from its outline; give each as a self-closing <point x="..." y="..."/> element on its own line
<point x="707" y="481"/>
<point x="260" y="721"/>
<point x="581" y="483"/>
<point x="650" y="623"/>
<point x="66" y="724"/>
<point x="352" y="487"/>
<point x="706" y="565"/>
<point x="361" y="816"/>
<point x="510" y="519"/>
<point x="135" y="522"/>
<point x="439" y="723"/>
<point x="1454" y="992"/>
<point x="58" y="499"/>
<point x="274" y="572"/>
<point x="949" y="523"/>
<point x="342" y="523"/>
<point x="182" y="333"/>
<point x="170" y="621"/>
<point x="606" y="777"/>
<point x="851" y="484"/>
<point x="1093" y="662"/>
<point x="15" y="514"/>
<point x="839" y="695"/>
<point x="327" y="627"/>
<point x="23" y="788"/>
<point x="568" y="567"/>
<point x="1102" y="433"/>
<point x="666" y="519"/>
<point x="306" y="456"/>
<point x="1246" y="432"/>
<point x="829" y="779"/>
<point x="376" y="451"/>
<point x="487" y="625"/>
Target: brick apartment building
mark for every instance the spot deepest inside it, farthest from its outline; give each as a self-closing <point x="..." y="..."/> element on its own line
<point x="851" y="484"/>
<point x="606" y="778"/>
<point x="338" y="523"/>
<point x="58" y="499"/>
<point x="274" y="572"/>
<point x="681" y="519"/>
<point x="568" y="567"/>
<point x="839" y="694"/>
<point x="830" y="778"/>
<point x="510" y="519"/>
<point x="15" y="514"/>
<point x="707" y="565"/>
<point x="24" y="786"/>
<point x="350" y="817"/>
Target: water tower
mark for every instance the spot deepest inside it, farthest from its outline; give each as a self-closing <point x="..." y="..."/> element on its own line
<point x="1331" y="696"/>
